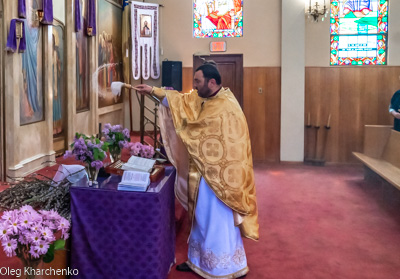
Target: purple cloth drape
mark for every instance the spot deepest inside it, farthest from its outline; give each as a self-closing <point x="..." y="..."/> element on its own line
<point x="21" y="8"/>
<point x="119" y="234"/>
<point x="47" y="12"/>
<point x="78" y="23"/>
<point x="91" y="16"/>
<point x="12" y="37"/>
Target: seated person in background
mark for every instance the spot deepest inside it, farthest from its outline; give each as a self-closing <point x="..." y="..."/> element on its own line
<point x="394" y="109"/>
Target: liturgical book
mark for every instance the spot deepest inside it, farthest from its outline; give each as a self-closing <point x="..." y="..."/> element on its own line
<point x="139" y="164"/>
<point x="134" y="181"/>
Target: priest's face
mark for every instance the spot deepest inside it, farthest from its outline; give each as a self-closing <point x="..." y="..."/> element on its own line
<point x="201" y="84"/>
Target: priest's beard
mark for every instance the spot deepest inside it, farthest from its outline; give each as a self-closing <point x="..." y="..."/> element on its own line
<point x="204" y="91"/>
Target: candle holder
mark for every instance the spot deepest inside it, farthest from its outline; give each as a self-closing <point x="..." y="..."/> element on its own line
<point x="40" y="15"/>
<point x="90" y="31"/>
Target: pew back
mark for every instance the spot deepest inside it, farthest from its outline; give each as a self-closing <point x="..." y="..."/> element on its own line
<point x="382" y="153"/>
<point x="391" y="152"/>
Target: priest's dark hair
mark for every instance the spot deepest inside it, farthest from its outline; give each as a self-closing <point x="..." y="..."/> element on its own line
<point x="209" y="69"/>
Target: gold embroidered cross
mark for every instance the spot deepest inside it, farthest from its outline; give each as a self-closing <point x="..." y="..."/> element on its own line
<point x="234" y="176"/>
<point x="233" y="125"/>
<point x="213" y="149"/>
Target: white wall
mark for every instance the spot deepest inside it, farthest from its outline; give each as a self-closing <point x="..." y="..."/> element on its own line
<point x="292" y="81"/>
<point x="394" y="33"/>
<point x="260" y="44"/>
<point x="59" y="10"/>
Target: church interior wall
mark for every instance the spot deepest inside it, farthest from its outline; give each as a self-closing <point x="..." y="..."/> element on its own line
<point x="27" y="146"/>
<point x="325" y="93"/>
<point x="30" y="147"/>
<point x="328" y="90"/>
<point x="260" y="44"/>
<point x="354" y="96"/>
<point x="261" y="49"/>
<point x="112" y="114"/>
<point x="59" y="10"/>
<point x="318" y="40"/>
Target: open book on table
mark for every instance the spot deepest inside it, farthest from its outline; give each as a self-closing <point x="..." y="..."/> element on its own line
<point x="134" y="181"/>
<point x="139" y="164"/>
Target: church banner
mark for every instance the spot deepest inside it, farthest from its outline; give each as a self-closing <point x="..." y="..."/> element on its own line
<point x="145" y="40"/>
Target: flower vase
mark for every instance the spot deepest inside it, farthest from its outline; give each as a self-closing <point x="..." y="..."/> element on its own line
<point x="115" y="155"/>
<point x="30" y="266"/>
<point x="92" y="175"/>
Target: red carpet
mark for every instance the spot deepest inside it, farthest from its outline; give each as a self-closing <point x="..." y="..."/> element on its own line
<point x="316" y="223"/>
<point x="320" y="223"/>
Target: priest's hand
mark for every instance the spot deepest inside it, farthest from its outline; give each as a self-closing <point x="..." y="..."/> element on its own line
<point x="143" y="89"/>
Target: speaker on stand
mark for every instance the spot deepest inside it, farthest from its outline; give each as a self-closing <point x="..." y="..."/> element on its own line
<point x="172" y="74"/>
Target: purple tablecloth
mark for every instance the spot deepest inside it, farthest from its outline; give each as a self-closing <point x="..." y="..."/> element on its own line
<point x="118" y="234"/>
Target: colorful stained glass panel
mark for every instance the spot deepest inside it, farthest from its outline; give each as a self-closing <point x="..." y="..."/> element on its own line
<point x="359" y="32"/>
<point x="217" y="18"/>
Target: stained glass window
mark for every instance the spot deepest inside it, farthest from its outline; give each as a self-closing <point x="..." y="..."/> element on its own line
<point x="359" y="31"/>
<point x="217" y="18"/>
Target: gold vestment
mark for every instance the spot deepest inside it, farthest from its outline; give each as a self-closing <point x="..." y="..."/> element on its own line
<point x="215" y="134"/>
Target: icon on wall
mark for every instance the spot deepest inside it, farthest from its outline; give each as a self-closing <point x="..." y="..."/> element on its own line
<point x="145" y="26"/>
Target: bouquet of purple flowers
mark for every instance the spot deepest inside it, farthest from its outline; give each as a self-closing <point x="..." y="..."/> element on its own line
<point x="116" y="137"/>
<point x="32" y="235"/>
<point x="140" y="150"/>
<point x="89" y="150"/>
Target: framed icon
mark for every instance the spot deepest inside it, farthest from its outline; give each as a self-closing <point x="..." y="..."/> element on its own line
<point x="145" y="26"/>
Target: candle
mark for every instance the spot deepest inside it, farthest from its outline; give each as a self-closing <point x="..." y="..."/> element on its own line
<point x="309" y="119"/>
<point x="329" y="121"/>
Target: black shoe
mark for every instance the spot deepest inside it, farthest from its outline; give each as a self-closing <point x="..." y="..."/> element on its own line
<point x="183" y="267"/>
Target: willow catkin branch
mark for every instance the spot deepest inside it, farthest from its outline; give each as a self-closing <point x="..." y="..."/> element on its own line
<point x="41" y="193"/>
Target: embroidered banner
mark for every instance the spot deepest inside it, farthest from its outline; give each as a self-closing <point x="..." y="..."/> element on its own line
<point x="145" y="40"/>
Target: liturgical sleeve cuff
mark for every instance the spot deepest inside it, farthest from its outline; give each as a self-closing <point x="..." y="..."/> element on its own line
<point x="158" y="92"/>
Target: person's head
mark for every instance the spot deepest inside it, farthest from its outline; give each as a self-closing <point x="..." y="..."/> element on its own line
<point x="145" y="23"/>
<point x="207" y="79"/>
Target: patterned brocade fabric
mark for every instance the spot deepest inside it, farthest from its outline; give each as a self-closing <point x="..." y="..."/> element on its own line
<point x="215" y="133"/>
<point x="215" y="246"/>
<point x="210" y="260"/>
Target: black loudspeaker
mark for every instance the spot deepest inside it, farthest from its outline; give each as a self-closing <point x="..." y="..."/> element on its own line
<point x="172" y="74"/>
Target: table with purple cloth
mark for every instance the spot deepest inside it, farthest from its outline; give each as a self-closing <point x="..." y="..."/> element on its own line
<point x="124" y="235"/>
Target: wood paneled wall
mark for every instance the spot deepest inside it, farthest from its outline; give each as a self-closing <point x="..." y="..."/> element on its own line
<point x="187" y="79"/>
<point x="354" y="97"/>
<point x="262" y="110"/>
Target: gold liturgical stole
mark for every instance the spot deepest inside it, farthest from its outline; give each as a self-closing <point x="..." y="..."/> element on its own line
<point x="215" y="134"/>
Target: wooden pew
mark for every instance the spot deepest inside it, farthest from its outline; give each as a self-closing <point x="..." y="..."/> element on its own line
<point x="382" y="152"/>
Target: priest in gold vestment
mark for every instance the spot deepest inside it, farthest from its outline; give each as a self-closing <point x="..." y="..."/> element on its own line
<point x="206" y="138"/>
